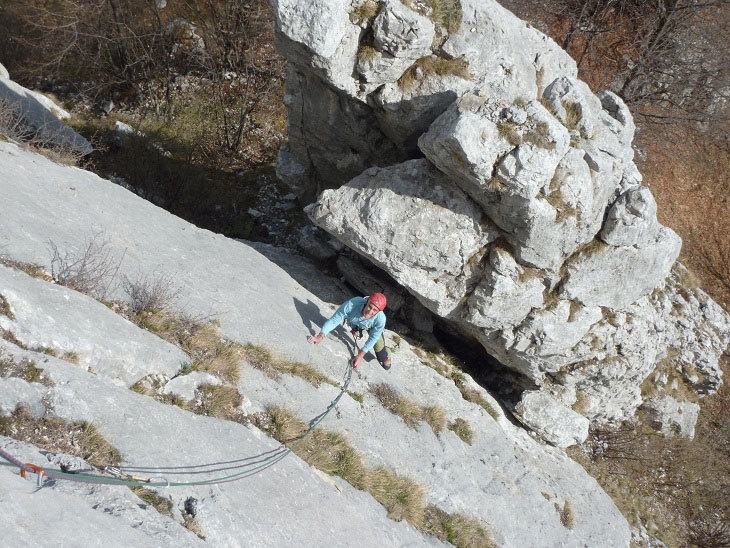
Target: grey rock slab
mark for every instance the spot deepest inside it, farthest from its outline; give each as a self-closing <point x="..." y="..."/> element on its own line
<point x="631" y="219"/>
<point x="615" y="277"/>
<point x="75" y="514"/>
<point x="16" y="391"/>
<point x="256" y="301"/>
<point x="147" y="433"/>
<point x="673" y="417"/>
<point x="400" y="37"/>
<point x="552" y="420"/>
<point x="42" y="117"/>
<point x="65" y="321"/>
<point x="505" y="295"/>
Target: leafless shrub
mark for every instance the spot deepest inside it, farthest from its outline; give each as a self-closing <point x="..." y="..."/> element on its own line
<point x="714" y="254"/>
<point x="705" y="533"/>
<point x="15" y="127"/>
<point x="150" y="293"/>
<point x="89" y="269"/>
<point x="616" y="442"/>
<point x="660" y="56"/>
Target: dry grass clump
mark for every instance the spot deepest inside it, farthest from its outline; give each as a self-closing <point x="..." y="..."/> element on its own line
<point x="435" y="416"/>
<point x="461" y="428"/>
<point x="264" y="360"/>
<point x="152" y="498"/>
<point x="425" y="67"/>
<point x="261" y="358"/>
<point x="457" y="529"/>
<point x="339" y="459"/>
<point x="401" y="496"/>
<point x="201" y="340"/>
<point x="510" y="132"/>
<point x="219" y="400"/>
<point x="5" y="307"/>
<point x="26" y="369"/>
<point x="366" y="54"/>
<point x="192" y="525"/>
<point x="33" y="270"/>
<point x="567" y="514"/>
<point x="562" y="207"/>
<point x="81" y="439"/>
<point x="411" y="413"/>
<point x="573" y="114"/>
<point x="364" y="13"/>
<point x="445" y="13"/>
<point x="281" y="424"/>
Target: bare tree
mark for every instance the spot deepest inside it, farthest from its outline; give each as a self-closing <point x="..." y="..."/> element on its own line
<point x="662" y="53"/>
<point x="231" y="30"/>
<point x="100" y="45"/>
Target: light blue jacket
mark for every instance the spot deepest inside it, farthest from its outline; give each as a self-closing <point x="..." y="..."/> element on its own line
<point x="351" y="311"/>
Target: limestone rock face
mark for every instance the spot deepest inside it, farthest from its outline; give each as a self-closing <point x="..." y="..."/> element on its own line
<point x="399" y="210"/>
<point x="673" y="417"/>
<point x="553" y="421"/>
<point x="462" y="156"/>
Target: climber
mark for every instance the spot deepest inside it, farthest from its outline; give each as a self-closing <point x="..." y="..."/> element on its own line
<point x="361" y="313"/>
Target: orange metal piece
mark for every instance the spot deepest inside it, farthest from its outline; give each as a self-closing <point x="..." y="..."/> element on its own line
<point x="38" y="471"/>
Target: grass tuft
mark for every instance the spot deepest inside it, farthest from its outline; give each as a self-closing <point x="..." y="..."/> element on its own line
<point x="567" y="515"/>
<point x="5" y="309"/>
<point x="457" y="529"/>
<point x="220" y="401"/>
<point x="33" y="270"/>
<point x="426" y="67"/>
<point x="364" y="14"/>
<point x="461" y="428"/>
<point x="152" y="498"/>
<point x="81" y="439"/>
<point x="435" y="416"/>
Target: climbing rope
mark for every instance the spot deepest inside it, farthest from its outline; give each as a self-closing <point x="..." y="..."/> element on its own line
<point x="130" y="476"/>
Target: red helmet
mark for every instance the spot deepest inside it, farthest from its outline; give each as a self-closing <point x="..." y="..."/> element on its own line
<point x="378" y="300"/>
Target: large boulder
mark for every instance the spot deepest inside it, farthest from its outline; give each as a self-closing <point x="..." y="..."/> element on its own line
<point x="39" y="118"/>
<point x="499" y="191"/>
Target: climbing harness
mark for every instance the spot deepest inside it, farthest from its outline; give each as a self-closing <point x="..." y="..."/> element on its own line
<point x="135" y="476"/>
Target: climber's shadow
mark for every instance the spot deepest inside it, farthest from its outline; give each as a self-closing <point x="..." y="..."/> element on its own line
<point x="313" y="320"/>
